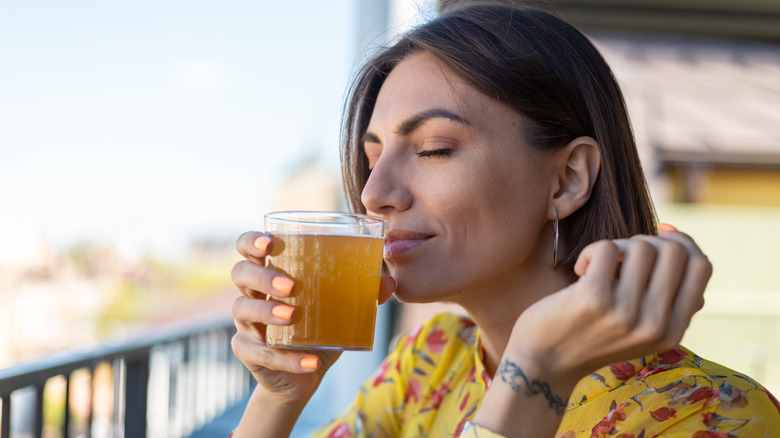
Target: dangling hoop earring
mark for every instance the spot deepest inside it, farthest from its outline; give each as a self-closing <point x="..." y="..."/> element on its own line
<point x="555" y="242"/>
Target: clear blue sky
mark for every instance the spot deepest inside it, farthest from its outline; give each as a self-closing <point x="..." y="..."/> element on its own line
<point x="158" y="120"/>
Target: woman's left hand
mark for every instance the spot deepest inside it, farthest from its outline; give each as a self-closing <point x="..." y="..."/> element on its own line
<point x="634" y="297"/>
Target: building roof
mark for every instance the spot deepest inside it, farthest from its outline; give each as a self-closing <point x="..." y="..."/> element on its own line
<point x="695" y="100"/>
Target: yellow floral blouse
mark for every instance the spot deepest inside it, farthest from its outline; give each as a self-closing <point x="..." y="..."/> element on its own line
<point x="432" y="383"/>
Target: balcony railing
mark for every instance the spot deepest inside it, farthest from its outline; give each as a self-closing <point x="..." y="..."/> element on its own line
<point x="169" y="384"/>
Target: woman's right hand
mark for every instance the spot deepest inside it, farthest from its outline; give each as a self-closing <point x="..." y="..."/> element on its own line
<point x="289" y="375"/>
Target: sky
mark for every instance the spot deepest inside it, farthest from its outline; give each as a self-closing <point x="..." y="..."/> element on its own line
<point x="152" y="122"/>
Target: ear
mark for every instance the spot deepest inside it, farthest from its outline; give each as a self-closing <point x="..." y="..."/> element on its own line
<point x="580" y="162"/>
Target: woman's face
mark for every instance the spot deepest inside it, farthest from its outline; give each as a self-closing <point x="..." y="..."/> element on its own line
<point x="465" y="198"/>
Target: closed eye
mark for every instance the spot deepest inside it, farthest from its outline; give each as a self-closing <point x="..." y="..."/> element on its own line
<point x="435" y="153"/>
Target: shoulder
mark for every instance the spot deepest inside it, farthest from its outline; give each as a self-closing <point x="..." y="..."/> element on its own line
<point x="674" y="393"/>
<point x="683" y="363"/>
<point x="716" y="391"/>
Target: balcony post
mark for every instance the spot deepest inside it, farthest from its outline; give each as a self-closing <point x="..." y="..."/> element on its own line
<point x="38" y="414"/>
<point x="136" y="389"/>
<point x="5" y="420"/>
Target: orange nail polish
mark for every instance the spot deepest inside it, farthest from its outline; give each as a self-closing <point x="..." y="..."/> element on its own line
<point x="283" y="284"/>
<point x="262" y="243"/>
<point x="666" y="227"/>
<point x="310" y="363"/>
<point x="283" y="312"/>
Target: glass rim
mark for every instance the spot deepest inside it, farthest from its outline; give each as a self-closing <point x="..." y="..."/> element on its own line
<point x="310" y="217"/>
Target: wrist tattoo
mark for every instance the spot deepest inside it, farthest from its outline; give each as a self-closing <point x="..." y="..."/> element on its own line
<point x="516" y="378"/>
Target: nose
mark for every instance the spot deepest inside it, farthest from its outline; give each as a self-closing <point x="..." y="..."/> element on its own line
<point x="387" y="188"/>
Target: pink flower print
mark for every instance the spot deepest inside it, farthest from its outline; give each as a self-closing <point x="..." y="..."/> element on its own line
<point x="412" y="336"/>
<point x="435" y="341"/>
<point x="465" y="400"/>
<point x="709" y="395"/>
<point x="604" y="427"/>
<point x="412" y="390"/>
<point x="622" y="370"/>
<point x="459" y="429"/>
<point x="486" y="378"/>
<point x="438" y="396"/>
<point x="341" y="431"/>
<point x="706" y="418"/>
<point x="773" y="400"/>
<point x="648" y="371"/>
<point x="466" y="322"/>
<point x="607" y="425"/>
<point x="663" y="414"/>
<point x="619" y="412"/>
<point x="381" y="372"/>
<point x="672" y="356"/>
<point x="713" y="420"/>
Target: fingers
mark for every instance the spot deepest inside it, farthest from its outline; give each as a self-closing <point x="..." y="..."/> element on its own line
<point x="690" y="298"/>
<point x="599" y="261"/>
<point x="252" y="315"/>
<point x="639" y="259"/>
<point x="683" y="239"/>
<point x="663" y="289"/>
<point x="254" y="246"/>
<point x="252" y="310"/>
<point x="257" y="356"/>
<point x="660" y="284"/>
<point x="675" y="289"/>
<point x="686" y="272"/>
<point x="251" y="276"/>
<point x="387" y="286"/>
<point x="256" y="281"/>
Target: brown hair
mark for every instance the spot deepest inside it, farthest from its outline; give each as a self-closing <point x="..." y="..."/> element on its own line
<point x="550" y="73"/>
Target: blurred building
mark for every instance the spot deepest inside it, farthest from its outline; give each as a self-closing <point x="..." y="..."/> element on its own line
<point x="310" y="185"/>
<point x="47" y="303"/>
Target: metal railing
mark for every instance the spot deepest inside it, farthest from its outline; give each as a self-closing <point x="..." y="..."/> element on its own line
<point x="168" y="384"/>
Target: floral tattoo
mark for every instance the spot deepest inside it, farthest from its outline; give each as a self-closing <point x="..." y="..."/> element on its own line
<point x="514" y="376"/>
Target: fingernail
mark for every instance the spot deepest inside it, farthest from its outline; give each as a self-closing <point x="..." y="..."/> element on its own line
<point x="262" y="243"/>
<point x="395" y="284"/>
<point x="666" y="227"/>
<point x="283" y="284"/>
<point x="310" y="363"/>
<point x="283" y="312"/>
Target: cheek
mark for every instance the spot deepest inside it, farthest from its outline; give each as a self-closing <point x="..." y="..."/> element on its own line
<point x="449" y="189"/>
<point x="487" y="211"/>
<point x="504" y="217"/>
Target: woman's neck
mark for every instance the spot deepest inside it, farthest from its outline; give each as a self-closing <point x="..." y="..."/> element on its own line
<point x="496" y="306"/>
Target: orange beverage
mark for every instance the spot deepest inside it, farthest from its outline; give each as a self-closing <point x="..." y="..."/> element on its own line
<point x="336" y="289"/>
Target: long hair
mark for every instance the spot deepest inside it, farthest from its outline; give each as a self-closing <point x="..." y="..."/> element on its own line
<point x="548" y="72"/>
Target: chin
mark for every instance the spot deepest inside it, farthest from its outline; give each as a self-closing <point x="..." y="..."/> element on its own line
<point x="419" y="295"/>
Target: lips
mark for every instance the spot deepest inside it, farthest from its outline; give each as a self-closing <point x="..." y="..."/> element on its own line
<point x="399" y="242"/>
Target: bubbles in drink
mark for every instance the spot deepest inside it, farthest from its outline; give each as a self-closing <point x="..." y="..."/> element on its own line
<point x="336" y="290"/>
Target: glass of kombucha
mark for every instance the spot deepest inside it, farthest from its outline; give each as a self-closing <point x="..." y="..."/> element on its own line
<point x="335" y="260"/>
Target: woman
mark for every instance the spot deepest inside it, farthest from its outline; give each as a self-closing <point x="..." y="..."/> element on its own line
<point x="496" y="144"/>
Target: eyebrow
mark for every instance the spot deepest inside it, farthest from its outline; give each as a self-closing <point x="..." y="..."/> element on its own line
<point x="409" y="125"/>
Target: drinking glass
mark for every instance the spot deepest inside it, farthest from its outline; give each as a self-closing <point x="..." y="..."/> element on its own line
<point x="335" y="260"/>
